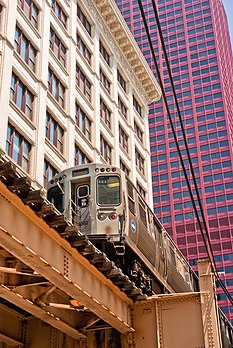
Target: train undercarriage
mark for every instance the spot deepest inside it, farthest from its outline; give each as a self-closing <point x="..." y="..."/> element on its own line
<point x="126" y="259"/>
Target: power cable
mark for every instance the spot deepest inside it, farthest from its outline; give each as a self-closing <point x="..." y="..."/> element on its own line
<point x="205" y="235"/>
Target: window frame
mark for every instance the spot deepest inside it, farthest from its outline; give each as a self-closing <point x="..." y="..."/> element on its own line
<point x="105" y="149"/>
<point x="60" y="88"/>
<point x="59" y="12"/>
<point x="104" y="53"/>
<point x="77" y="153"/>
<point x="33" y="9"/>
<point x="83" y="19"/>
<point x="54" y="132"/>
<point x="123" y="139"/>
<point x="25" y="98"/>
<point x="83" y="121"/>
<point x="58" y="49"/>
<point x="23" y="156"/>
<point x="139" y="161"/>
<point x="83" y="83"/>
<point x="105" y="114"/>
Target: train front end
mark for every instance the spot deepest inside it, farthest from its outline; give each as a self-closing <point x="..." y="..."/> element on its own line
<point x="91" y="197"/>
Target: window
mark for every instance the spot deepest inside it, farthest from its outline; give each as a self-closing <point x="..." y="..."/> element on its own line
<point x="49" y="172"/>
<point x="30" y="10"/>
<point x="83" y="83"/>
<point x="122" y="107"/>
<point x="79" y="156"/>
<point x="139" y="160"/>
<point x="124" y="168"/>
<point x="21" y="96"/>
<point x="57" y="47"/>
<point x="138" y="132"/>
<point x="54" y="132"/>
<point x="57" y="9"/>
<point x="104" y="53"/>
<point x="121" y="80"/>
<point x="84" y="20"/>
<point x="1" y="13"/>
<point x="137" y="106"/>
<point x="105" y="150"/>
<point x="83" y="49"/>
<point x="56" y="88"/>
<point x="83" y="122"/>
<point x="123" y="139"/>
<point x="25" y="49"/>
<point x="18" y="148"/>
<point x="141" y="190"/>
<point x="108" y="190"/>
<point x="104" y="80"/>
<point x="105" y="114"/>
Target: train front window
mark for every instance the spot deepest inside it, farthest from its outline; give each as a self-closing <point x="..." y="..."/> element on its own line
<point x="108" y="190"/>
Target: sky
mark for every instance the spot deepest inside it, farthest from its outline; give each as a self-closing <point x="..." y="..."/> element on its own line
<point x="228" y="4"/>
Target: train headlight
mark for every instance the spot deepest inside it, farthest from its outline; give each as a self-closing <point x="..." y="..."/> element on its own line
<point x="108" y="170"/>
<point x="102" y="216"/>
<point x="97" y="170"/>
<point x="113" y="169"/>
<point x="112" y="216"/>
<point x="102" y="169"/>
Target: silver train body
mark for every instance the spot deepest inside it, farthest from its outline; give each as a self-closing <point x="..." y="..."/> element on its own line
<point x="106" y="206"/>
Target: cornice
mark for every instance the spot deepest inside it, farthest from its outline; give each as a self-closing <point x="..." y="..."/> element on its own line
<point x="114" y="26"/>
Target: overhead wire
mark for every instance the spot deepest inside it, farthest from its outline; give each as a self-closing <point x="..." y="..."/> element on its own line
<point x="205" y="236"/>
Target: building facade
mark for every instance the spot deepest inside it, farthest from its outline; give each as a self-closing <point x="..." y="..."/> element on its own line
<point x="74" y="88"/>
<point x="198" y="44"/>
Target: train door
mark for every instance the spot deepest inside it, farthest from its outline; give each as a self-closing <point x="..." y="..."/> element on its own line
<point x="82" y="208"/>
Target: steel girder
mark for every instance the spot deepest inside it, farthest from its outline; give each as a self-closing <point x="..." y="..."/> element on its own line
<point x="31" y="240"/>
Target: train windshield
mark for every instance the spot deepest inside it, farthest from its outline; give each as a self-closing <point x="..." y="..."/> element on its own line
<point x="108" y="190"/>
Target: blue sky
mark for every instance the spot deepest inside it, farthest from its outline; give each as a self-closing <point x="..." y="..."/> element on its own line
<point x="228" y="4"/>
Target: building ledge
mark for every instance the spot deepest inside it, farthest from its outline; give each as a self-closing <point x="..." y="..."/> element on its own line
<point x="119" y="29"/>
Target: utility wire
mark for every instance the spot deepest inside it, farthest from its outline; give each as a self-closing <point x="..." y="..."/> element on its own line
<point x="212" y="260"/>
<point x="205" y="236"/>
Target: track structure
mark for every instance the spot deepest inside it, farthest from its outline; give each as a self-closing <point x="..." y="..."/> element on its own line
<point x="78" y="278"/>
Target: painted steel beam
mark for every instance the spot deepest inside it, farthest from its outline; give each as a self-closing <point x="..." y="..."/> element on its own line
<point x="38" y="312"/>
<point x="10" y="324"/>
<point x="32" y="241"/>
<point x="10" y="341"/>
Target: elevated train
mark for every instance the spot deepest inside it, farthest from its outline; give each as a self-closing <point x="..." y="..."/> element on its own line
<point x="107" y="207"/>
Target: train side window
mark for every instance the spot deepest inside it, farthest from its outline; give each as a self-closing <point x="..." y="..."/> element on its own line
<point x="173" y="258"/>
<point x="142" y="211"/>
<point x="55" y="195"/>
<point x="131" y="201"/>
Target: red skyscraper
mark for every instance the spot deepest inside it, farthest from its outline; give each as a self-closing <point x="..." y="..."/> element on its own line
<point x="198" y="44"/>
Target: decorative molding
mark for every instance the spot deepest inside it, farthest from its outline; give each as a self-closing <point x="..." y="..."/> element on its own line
<point x="124" y="47"/>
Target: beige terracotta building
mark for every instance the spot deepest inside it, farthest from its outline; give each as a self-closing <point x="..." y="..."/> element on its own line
<point x="74" y="88"/>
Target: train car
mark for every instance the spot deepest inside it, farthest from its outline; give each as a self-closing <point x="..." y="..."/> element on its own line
<point x="107" y="207"/>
